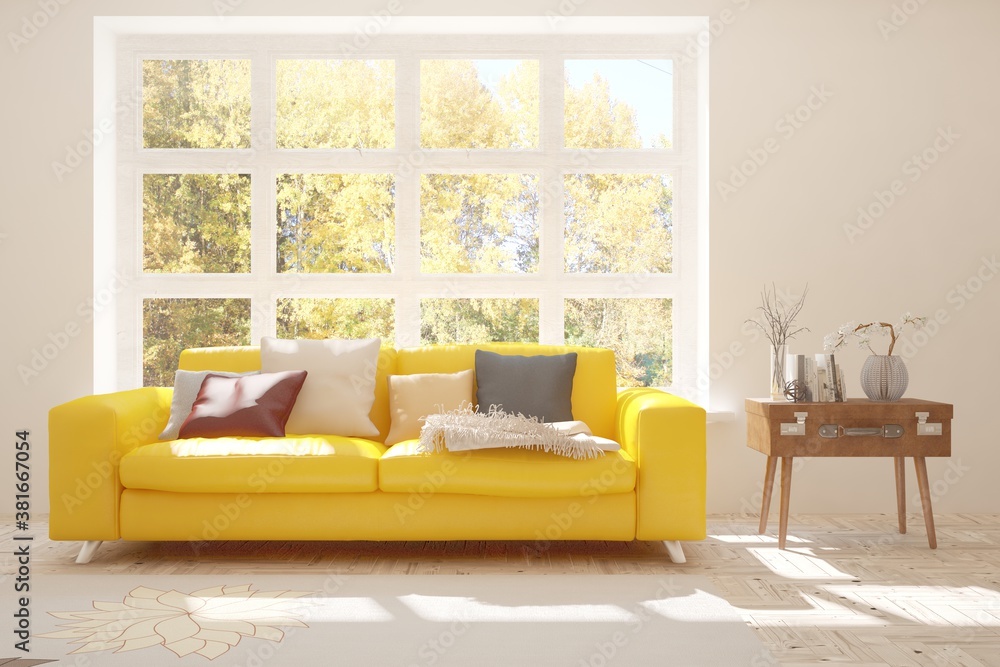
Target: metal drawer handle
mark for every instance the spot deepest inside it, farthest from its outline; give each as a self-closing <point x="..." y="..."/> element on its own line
<point x="835" y="431"/>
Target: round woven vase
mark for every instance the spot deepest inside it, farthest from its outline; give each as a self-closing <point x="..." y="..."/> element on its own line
<point x="884" y="377"/>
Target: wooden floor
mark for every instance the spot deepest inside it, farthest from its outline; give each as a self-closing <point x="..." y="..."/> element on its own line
<point x="848" y="590"/>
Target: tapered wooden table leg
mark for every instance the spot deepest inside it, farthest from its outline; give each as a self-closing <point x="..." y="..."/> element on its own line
<point x="786" y="492"/>
<point x="925" y="499"/>
<point x="765" y="503"/>
<point x="901" y="492"/>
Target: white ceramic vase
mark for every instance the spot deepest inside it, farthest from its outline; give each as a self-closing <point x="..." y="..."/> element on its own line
<point x="884" y="377"/>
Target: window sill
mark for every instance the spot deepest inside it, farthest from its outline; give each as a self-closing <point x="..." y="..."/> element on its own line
<point x="719" y="416"/>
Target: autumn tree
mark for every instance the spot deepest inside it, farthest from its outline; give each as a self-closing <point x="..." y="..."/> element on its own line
<point x="345" y="223"/>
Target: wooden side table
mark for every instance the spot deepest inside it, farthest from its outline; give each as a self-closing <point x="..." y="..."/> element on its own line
<point x="856" y="427"/>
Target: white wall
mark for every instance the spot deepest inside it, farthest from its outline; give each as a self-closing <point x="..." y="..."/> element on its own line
<point x="890" y="95"/>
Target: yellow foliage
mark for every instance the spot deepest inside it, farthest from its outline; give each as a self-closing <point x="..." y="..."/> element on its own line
<point x="472" y="223"/>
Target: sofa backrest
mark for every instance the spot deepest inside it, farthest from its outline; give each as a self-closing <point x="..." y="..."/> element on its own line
<point x="241" y="359"/>
<point x="594" y="385"/>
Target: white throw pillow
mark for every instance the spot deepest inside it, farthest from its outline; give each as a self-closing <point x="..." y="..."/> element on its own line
<point x="186" y="386"/>
<point x="339" y="390"/>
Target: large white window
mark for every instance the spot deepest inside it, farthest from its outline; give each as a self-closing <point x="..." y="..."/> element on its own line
<point x="424" y="188"/>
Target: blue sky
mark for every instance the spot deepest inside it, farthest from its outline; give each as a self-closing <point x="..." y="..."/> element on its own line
<point x="646" y="85"/>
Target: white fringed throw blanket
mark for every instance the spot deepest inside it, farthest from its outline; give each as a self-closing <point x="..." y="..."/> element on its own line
<point x="464" y="429"/>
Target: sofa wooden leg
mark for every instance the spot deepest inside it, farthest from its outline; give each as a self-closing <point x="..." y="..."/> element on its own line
<point x="675" y="551"/>
<point x="88" y="550"/>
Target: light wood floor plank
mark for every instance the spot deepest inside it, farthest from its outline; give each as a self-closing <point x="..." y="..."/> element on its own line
<point x="849" y="589"/>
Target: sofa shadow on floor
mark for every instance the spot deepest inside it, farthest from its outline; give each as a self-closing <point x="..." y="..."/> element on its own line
<point x="363" y="557"/>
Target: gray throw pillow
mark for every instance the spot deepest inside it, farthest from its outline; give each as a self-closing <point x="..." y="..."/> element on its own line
<point x="186" y="386"/>
<point x="537" y="386"/>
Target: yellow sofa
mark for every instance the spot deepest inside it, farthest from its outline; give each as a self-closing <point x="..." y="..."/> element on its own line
<point x="111" y="478"/>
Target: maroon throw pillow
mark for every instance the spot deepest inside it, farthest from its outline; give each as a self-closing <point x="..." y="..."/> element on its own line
<point x="252" y="405"/>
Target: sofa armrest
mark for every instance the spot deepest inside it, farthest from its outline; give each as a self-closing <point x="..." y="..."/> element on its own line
<point x="665" y="434"/>
<point x="87" y="439"/>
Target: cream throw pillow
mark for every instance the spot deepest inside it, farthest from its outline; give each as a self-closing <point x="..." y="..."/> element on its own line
<point x="413" y="397"/>
<point x="339" y="390"/>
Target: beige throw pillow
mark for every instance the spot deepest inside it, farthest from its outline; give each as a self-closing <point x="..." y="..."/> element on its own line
<point x="339" y="390"/>
<point x="413" y="397"/>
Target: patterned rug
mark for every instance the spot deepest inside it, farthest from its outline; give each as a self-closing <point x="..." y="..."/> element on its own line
<point x="360" y="620"/>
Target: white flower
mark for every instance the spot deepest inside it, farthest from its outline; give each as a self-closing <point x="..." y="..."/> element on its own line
<point x="208" y="622"/>
<point x="864" y="332"/>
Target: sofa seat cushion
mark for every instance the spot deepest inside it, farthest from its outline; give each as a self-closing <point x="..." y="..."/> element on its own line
<point x="510" y="472"/>
<point x="293" y="464"/>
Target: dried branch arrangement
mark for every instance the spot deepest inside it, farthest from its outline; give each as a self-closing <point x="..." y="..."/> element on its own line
<point x="777" y="316"/>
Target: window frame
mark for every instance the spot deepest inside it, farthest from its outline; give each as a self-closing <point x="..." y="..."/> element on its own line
<point x="685" y="163"/>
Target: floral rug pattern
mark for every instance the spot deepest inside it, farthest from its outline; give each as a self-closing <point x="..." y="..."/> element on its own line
<point x="207" y="622"/>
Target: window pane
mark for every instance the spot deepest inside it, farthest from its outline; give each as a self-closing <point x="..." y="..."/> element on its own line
<point x="479" y="103"/>
<point x="196" y="103"/>
<point x="640" y="331"/>
<point x="478" y="320"/>
<point x="618" y="223"/>
<point x="619" y="103"/>
<point x="478" y="223"/>
<point x="196" y="223"/>
<point x="171" y="325"/>
<point x="337" y="318"/>
<point x="336" y="223"/>
<point x="336" y="104"/>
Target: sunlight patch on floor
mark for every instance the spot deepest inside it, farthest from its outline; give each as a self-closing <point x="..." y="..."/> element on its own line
<point x="822" y="613"/>
<point x="799" y="563"/>
<point x="944" y="606"/>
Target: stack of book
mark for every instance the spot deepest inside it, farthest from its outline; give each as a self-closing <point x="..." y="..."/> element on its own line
<point x="820" y="376"/>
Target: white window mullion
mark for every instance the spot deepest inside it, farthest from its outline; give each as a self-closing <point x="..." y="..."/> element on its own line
<point x="550" y="317"/>
<point x="263" y="244"/>
<point x="690" y="312"/>
<point x="407" y="175"/>
<point x="687" y="286"/>
<point x="127" y="311"/>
